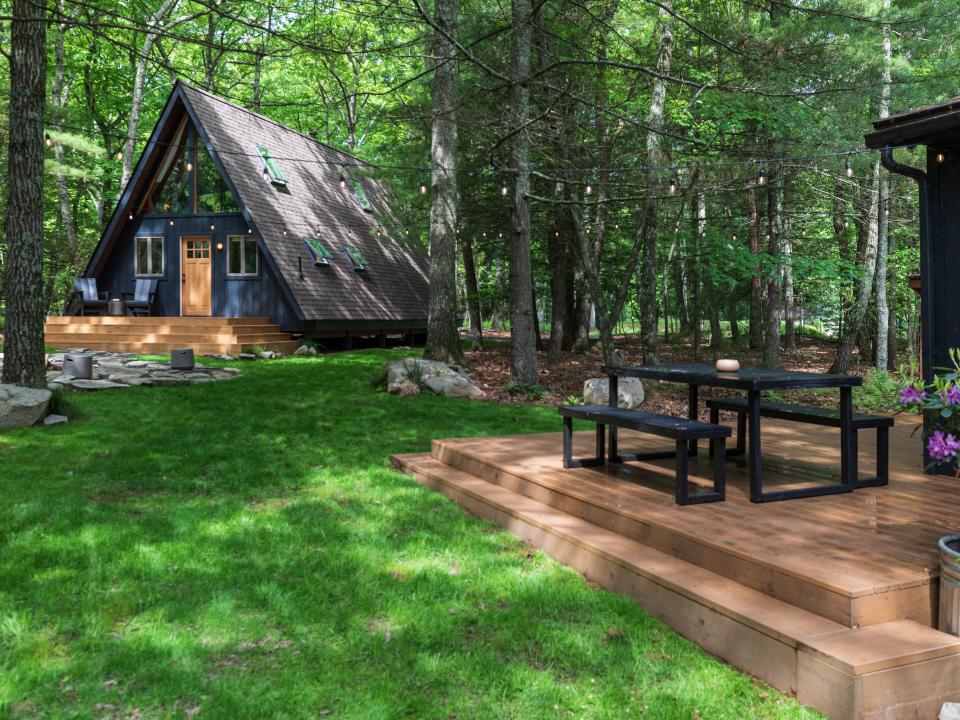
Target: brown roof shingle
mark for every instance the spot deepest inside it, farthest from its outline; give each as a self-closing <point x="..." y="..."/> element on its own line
<point x="394" y="287"/>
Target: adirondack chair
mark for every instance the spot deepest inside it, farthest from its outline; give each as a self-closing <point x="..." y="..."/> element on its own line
<point x="87" y="298"/>
<point x="142" y="297"/>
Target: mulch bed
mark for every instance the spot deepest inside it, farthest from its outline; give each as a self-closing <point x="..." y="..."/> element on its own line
<point x="490" y="369"/>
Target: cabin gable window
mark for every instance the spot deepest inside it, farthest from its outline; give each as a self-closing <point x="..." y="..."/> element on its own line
<point x="243" y="260"/>
<point x="270" y="166"/>
<point x="189" y="180"/>
<point x="148" y="256"/>
<point x="318" y="251"/>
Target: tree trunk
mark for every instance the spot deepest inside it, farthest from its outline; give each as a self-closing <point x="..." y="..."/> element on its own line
<point x="647" y="299"/>
<point x="771" y="340"/>
<point x="23" y="362"/>
<point x="139" y="81"/>
<point x="786" y="241"/>
<point x="697" y="226"/>
<point x="523" y="345"/>
<point x="583" y="311"/>
<point x="58" y="100"/>
<point x="882" y="348"/>
<point x="867" y="261"/>
<point x="756" y="291"/>
<point x="558" y="251"/>
<point x="443" y="338"/>
<point x="473" y="295"/>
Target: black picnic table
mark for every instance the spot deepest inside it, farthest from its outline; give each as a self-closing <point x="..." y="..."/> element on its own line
<point x="754" y="381"/>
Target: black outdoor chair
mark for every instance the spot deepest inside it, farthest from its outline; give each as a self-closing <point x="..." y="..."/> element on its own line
<point x="142" y="297"/>
<point x="87" y="298"/>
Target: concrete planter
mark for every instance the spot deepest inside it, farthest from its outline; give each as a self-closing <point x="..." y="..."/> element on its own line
<point x="950" y="584"/>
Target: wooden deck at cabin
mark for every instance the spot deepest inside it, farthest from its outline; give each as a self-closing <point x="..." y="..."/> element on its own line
<point x="158" y="335"/>
<point x="831" y="598"/>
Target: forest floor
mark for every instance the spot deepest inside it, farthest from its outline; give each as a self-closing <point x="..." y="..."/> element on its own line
<point x="243" y="550"/>
<point x="563" y="379"/>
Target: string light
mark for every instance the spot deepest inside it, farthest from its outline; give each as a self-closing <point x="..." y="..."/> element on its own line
<point x="119" y="154"/>
<point x="849" y="168"/>
<point x="130" y="216"/>
<point x="249" y="231"/>
<point x="189" y="166"/>
<point x="343" y="181"/>
<point x="734" y="237"/>
<point x="423" y="188"/>
<point x="589" y="189"/>
<point x="941" y="157"/>
<point x="673" y="185"/>
<point x="47" y="139"/>
<point x="504" y="188"/>
<point x="762" y="175"/>
<point x="171" y="223"/>
<point x="212" y="226"/>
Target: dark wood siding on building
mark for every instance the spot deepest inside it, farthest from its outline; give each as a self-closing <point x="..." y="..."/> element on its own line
<point x="259" y="296"/>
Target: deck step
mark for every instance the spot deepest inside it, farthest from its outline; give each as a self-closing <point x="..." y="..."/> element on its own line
<point x="847" y="673"/>
<point x="158" y="335"/>
<point x="851" y="597"/>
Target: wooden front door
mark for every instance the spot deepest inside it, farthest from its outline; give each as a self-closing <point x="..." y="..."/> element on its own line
<point x="196" y="279"/>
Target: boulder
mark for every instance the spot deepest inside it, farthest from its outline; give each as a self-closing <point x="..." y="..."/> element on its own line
<point x="20" y="406"/>
<point x="453" y="385"/>
<point x="596" y="391"/>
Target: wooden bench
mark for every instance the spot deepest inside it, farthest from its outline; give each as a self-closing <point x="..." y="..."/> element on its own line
<point x="680" y="430"/>
<point x="814" y="416"/>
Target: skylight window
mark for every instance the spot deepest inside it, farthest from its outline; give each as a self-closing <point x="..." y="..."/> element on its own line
<point x="321" y="256"/>
<point x="362" y="199"/>
<point x="270" y="166"/>
<point x="358" y="260"/>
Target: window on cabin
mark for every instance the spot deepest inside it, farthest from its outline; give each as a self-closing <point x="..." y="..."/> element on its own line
<point x="271" y="166"/>
<point x="173" y="194"/>
<point x="358" y="260"/>
<point x="361" y="196"/>
<point x="319" y="252"/>
<point x="148" y="256"/>
<point x="213" y="195"/>
<point x="242" y="256"/>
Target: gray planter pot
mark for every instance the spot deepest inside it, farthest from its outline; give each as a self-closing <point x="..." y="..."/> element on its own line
<point x="950" y="584"/>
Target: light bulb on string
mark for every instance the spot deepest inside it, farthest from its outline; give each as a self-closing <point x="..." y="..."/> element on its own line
<point x="849" y="168"/>
<point x="423" y="187"/>
<point x="941" y="157"/>
<point x="734" y="237"/>
<point x="171" y="223"/>
<point x="673" y="185"/>
<point x="48" y="140"/>
<point x="504" y="188"/>
<point x="343" y="182"/>
<point x="119" y="154"/>
<point x="249" y="231"/>
<point x="189" y="166"/>
<point x="589" y="189"/>
<point x="762" y="175"/>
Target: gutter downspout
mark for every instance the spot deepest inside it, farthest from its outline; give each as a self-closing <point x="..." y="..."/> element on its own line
<point x="928" y="359"/>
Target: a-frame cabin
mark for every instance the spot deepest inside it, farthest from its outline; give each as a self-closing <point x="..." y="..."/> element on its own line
<point x="240" y="218"/>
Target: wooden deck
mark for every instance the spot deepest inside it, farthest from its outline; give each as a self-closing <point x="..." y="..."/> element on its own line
<point x="831" y="598"/>
<point x="160" y="334"/>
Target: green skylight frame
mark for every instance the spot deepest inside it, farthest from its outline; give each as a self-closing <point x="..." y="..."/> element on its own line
<point x="270" y="165"/>
<point x="356" y="257"/>
<point x="321" y="256"/>
<point x="361" y="194"/>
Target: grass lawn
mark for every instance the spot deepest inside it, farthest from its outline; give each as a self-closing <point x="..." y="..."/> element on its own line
<point x="241" y="550"/>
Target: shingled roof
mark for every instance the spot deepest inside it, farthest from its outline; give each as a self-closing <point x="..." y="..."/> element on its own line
<point x="311" y="203"/>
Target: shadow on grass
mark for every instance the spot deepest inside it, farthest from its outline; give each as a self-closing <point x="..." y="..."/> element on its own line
<point x="241" y="549"/>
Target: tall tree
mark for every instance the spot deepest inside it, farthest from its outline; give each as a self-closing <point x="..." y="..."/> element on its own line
<point x="771" y="339"/>
<point x="880" y="277"/>
<point x="23" y="362"/>
<point x="443" y="338"/>
<point x="651" y="216"/>
<point x="523" y="343"/>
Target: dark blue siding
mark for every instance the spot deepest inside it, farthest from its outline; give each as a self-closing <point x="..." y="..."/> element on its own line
<point x="259" y="296"/>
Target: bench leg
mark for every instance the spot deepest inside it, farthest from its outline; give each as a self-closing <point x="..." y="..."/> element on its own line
<point x="741" y="448"/>
<point x="718" y="451"/>
<point x="715" y="419"/>
<point x="883" y="461"/>
<point x="568" y="459"/>
<point x="693" y="413"/>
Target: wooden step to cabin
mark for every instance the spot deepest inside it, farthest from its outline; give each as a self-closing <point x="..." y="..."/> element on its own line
<point x="895" y="669"/>
<point x="776" y="563"/>
<point x="159" y="335"/>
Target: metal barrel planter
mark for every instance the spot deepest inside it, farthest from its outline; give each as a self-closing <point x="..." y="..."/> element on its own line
<point x="950" y="584"/>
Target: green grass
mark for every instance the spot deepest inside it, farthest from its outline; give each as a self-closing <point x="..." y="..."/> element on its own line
<point x="242" y="550"/>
